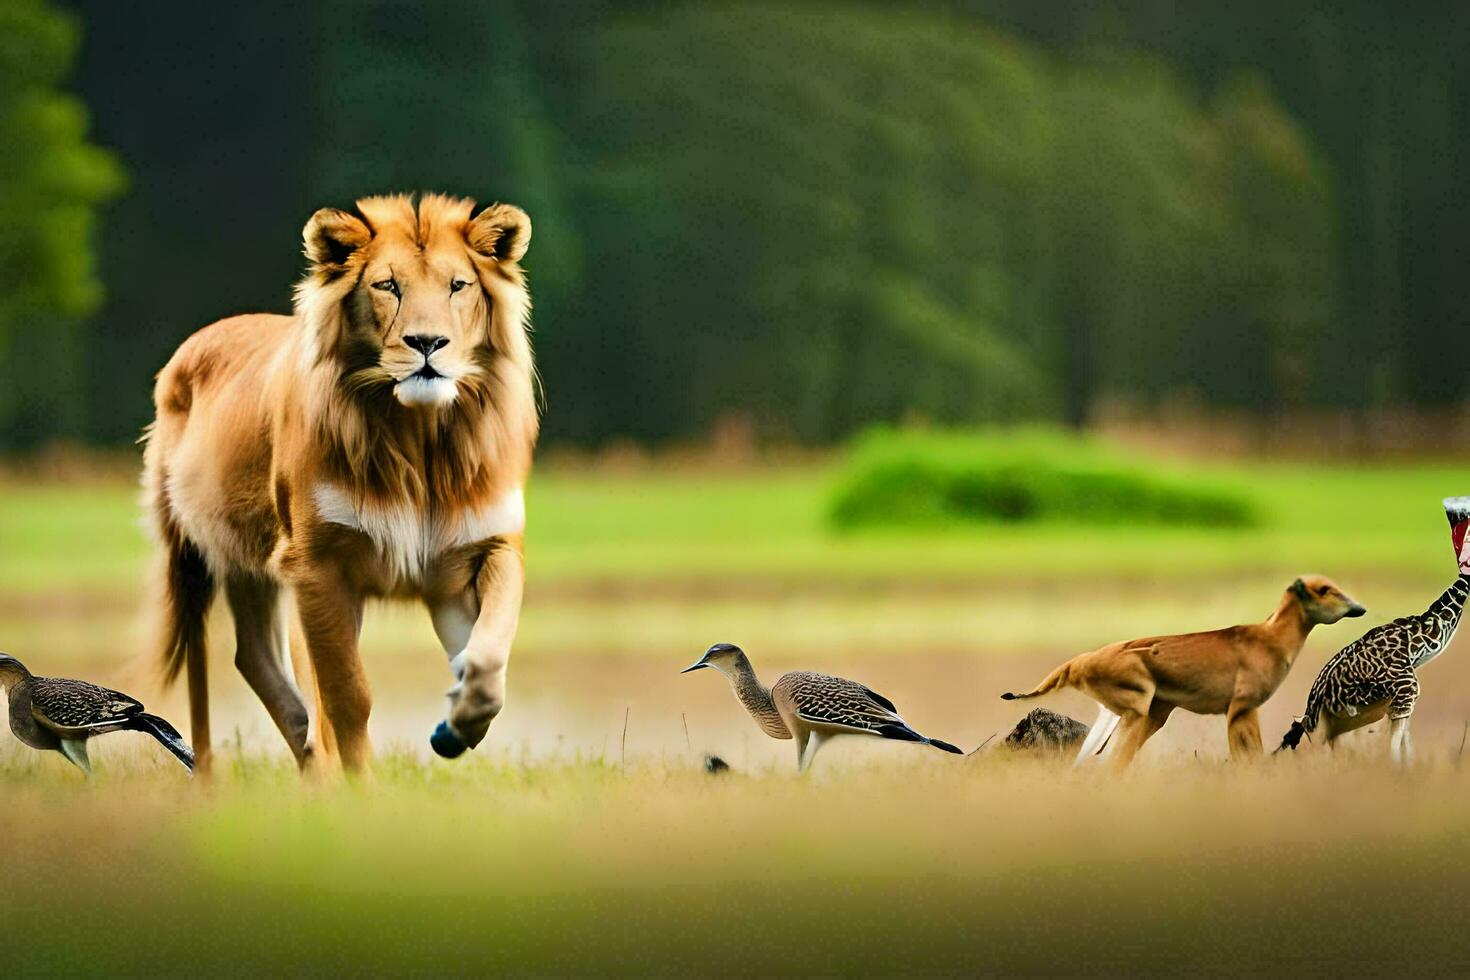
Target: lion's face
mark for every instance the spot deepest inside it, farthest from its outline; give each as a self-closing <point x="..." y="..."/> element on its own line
<point x="423" y="289"/>
<point x="425" y="312"/>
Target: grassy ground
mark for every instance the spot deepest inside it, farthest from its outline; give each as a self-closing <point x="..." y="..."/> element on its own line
<point x="936" y="866"/>
<point x="657" y="563"/>
<point x="576" y="842"/>
<point x="591" y="529"/>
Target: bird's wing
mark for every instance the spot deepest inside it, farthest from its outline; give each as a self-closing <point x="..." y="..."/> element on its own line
<point x="880" y="699"/>
<point x="68" y="707"/>
<point x="828" y="700"/>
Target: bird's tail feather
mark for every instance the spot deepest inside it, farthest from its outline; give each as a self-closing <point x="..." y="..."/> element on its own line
<point x="901" y="733"/>
<point x="167" y="736"/>
<point x="904" y="733"/>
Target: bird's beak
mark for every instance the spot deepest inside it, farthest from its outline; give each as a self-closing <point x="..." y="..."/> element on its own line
<point x="694" y="666"/>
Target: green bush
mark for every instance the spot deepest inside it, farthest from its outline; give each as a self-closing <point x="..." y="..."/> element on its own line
<point x="907" y="478"/>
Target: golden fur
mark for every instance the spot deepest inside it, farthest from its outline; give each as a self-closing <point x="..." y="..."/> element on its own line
<point x="1230" y="672"/>
<point x="374" y="443"/>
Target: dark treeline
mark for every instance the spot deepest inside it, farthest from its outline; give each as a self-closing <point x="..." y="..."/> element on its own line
<point x="813" y="216"/>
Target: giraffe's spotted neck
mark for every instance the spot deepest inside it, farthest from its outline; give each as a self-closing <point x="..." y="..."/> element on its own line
<point x="1438" y="624"/>
<point x="756" y="698"/>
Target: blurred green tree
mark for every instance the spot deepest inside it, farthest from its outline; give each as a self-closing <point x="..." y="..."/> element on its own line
<point x="846" y="214"/>
<point x="1377" y="90"/>
<point x="51" y="184"/>
<point x="825" y="215"/>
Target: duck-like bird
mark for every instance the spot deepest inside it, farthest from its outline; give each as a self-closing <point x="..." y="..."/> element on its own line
<point x="810" y="708"/>
<point x="59" y="715"/>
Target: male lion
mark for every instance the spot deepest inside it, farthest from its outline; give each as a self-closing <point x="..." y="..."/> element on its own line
<point x="375" y="443"/>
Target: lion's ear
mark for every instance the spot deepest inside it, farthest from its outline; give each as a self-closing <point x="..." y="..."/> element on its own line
<point x="331" y="236"/>
<point x="501" y="231"/>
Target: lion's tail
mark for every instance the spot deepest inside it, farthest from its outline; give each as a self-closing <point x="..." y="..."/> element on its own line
<point x="186" y="590"/>
<point x="1059" y="678"/>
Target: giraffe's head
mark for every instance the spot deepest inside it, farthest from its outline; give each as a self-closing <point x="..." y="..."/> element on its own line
<point x="1457" y="509"/>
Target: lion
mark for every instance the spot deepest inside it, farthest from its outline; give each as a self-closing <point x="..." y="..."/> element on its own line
<point x="376" y="443"/>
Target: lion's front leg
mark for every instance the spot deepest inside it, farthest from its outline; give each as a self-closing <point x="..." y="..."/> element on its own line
<point x="481" y="665"/>
<point x="330" y="613"/>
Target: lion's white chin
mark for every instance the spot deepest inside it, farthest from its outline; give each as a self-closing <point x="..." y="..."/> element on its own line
<point x="416" y="391"/>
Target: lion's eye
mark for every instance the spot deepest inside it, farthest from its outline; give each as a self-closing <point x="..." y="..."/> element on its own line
<point x="387" y="286"/>
<point x="458" y="284"/>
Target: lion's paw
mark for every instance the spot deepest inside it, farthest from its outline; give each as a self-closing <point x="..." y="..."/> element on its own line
<point x="445" y="743"/>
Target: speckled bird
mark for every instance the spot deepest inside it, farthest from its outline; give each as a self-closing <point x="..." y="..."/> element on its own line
<point x="809" y="707"/>
<point x="59" y="715"/>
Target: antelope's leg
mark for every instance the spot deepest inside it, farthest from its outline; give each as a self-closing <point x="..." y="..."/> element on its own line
<point x="1244" y="731"/>
<point x="1158" y="714"/>
<point x="1133" y="731"/>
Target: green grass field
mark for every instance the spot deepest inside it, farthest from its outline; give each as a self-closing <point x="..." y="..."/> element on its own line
<point x="576" y="843"/>
<point x="591" y="527"/>
<point x="655" y="562"/>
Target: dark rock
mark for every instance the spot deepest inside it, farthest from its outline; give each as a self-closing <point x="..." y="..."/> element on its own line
<point x="714" y="765"/>
<point x="1046" y="731"/>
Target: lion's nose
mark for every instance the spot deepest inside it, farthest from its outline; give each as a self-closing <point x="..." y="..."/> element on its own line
<point x="426" y="343"/>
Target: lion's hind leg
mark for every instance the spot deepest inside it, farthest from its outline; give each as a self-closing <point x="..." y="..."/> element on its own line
<point x="184" y="589"/>
<point x="260" y="649"/>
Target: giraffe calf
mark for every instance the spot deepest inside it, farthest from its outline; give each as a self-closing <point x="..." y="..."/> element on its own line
<point x="1377" y="676"/>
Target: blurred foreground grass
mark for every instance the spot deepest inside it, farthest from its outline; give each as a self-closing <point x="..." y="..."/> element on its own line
<point x="932" y="865"/>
